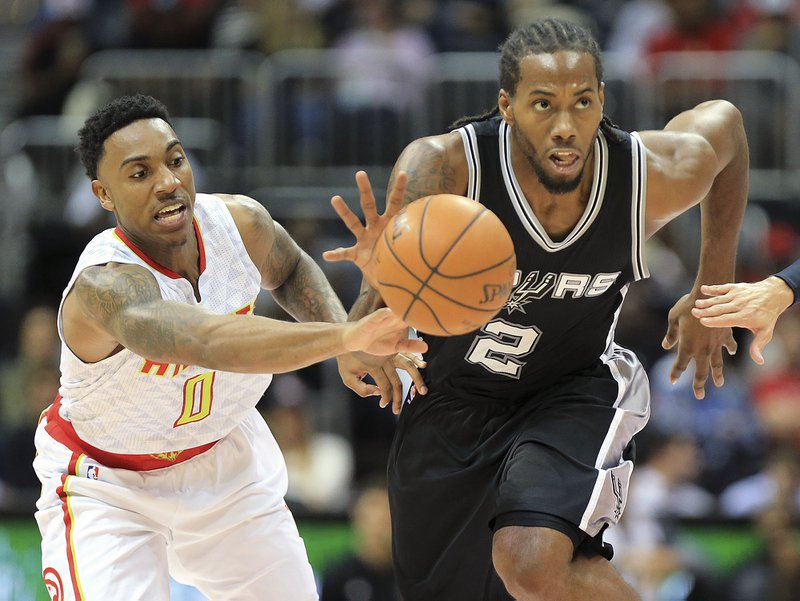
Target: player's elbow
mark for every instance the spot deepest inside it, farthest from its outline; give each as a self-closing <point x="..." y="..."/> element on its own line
<point x="729" y="139"/>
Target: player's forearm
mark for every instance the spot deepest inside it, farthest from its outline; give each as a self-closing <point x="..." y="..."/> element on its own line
<point x="308" y="296"/>
<point x="176" y="333"/>
<point x="368" y="301"/>
<point x="723" y="208"/>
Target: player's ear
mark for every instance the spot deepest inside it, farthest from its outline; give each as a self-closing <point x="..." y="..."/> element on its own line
<point x="601" y="93"/>
<point x="101" y="192"/>
<point x="504" y="104"/>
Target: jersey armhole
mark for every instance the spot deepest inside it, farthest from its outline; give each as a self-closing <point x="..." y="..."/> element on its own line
<point x="638" y="207"/>
<point x="470" y="140"/>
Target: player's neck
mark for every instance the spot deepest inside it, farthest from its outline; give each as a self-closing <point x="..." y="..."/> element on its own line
<point x="558" y="213"/>
<point x="180" y="255"/>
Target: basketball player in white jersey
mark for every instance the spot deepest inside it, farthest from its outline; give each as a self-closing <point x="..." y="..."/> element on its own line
<point x="153" y="459"/>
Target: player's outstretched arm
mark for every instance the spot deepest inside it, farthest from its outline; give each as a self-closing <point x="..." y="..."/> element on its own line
<point x="701" y="156"/>
<point x="117" y="304"/>
<point x="755" y="306"/>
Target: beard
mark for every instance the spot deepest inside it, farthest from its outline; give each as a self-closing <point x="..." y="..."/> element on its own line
<point x="554" y="185"/>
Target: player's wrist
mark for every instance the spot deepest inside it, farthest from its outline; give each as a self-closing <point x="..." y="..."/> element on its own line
<point x="780" y="291"/>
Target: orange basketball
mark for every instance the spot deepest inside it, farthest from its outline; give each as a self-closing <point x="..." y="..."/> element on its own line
<point x="445" y="264"/>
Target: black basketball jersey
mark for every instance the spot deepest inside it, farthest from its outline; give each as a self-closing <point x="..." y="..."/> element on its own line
<point x="567" y="295"/>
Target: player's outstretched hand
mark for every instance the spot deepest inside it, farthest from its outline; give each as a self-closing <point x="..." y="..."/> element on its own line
<point x="381" y="333"/>
<point x="366" y="233"/>
<point x="693" y="341"/>
<point x="354" y="367"/>
<point x="755" y="306"/>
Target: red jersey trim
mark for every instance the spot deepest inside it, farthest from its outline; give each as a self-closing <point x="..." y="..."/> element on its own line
<point x="201" y="248"/>
<point x="63" y="431"/>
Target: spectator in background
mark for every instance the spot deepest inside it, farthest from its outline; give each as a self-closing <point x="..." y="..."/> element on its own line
<point x="28" y="384"/>
<point x="52" y="58"/>
<point x="663" y="491"/>
<point x="776" y="390"/>
<point x="774" y="575"/>
<point x="365" y="574"/>
<point x="382" y="67"/>
<point x="776" y="27"/>
<point x="777" y="482"/>
<point x="271" y="26"/>
<point x="701" y="25"/>
<point x="37" y="352"/>
<point x="320" y="464"/>
<point x="468" y="25"/>
<point x="724" y="423"/>
<point x="636" y="23"/>
<point x="520" y="12"/>
<point x="172" y="23"/>
<point x="16" y="442"/>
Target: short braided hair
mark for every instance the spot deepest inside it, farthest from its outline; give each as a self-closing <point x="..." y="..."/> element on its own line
<point x="546" y="36"/>
<point x="110" y="118"/>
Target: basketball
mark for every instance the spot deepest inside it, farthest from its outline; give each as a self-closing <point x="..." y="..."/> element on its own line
<point x="445" y="264"/>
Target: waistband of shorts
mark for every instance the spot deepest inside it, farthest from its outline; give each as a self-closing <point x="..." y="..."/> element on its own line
<point x="64" y="432"/>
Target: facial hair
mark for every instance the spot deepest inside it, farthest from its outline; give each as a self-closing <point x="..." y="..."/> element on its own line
<point x="551" y="184"/>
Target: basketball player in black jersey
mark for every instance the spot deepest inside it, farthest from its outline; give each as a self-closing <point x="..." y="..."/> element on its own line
<point x="504" y="475"/>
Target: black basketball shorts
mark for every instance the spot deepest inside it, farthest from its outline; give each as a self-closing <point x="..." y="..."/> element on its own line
<point x="459" y="470"/>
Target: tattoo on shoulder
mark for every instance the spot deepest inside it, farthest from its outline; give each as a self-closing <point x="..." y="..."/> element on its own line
<point x="430" y="171"/>
<point x="104" y="291"/>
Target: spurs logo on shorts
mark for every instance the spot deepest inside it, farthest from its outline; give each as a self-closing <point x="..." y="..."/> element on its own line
<point x="616" y="486"/>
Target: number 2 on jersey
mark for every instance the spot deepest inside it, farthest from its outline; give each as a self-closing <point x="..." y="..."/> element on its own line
<point x="500" y="346"/>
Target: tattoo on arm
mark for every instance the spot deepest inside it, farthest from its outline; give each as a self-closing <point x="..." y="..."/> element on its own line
<point x="127" y="302"/>
<point x="429" y="170"/>
<point x="304" y="291"/>
<point x="308" y="296"/>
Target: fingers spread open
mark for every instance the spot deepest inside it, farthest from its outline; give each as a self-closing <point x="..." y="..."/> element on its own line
<point x="350" y="219"/>
<point x="394" y="201"/>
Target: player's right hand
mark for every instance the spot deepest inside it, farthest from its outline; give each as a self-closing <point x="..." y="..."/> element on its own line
<point x="381" y="333"/>
<point x="366" y="233"/>
<point x="354" y="367"/>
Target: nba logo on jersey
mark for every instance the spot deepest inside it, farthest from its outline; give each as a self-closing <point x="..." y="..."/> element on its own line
<point x="93" y="472"/>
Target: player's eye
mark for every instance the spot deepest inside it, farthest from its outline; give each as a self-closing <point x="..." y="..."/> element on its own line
<point x="541" y="105"/>
<point x="584" y="103"/>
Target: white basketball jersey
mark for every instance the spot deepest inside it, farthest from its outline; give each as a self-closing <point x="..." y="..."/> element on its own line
<point x="128" y="404"/>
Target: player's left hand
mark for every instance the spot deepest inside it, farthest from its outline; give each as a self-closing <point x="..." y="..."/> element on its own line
<point x="695" y="341"/>
<point x="366" y="233"/>
<point x="354" y="367"/>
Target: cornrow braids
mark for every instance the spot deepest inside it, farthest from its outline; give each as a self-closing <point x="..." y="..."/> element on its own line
<point x="547" y="36"/>
<point x="482" y="117"/>
<point x="110" y="118"/>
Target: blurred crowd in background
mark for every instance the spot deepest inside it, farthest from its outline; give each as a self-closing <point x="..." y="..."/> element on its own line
<point x="734" y="455"/>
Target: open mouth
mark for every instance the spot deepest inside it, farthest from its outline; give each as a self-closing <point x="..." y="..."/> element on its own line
<point x="171" y="213"/>
<point x="564" y="160"/>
